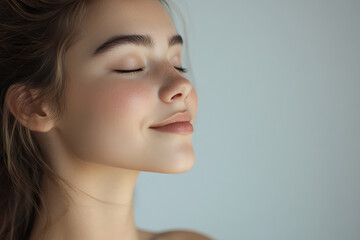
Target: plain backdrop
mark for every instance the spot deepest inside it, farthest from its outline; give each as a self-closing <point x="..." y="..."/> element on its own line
<point x="277" y="134"/>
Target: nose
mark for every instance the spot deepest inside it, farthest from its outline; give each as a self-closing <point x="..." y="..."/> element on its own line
<point x="175" y="88"/>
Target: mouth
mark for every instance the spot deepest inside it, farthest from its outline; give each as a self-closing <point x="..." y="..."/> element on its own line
<point x="177" y="123"/>
<point x="183" y="128"/>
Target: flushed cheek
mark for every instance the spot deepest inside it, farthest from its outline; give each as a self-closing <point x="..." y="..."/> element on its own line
<point x="115" y="115"/>
<point x="194" y="97"/>
<point x="124" y="102"/>
<point x="193" y="102"/>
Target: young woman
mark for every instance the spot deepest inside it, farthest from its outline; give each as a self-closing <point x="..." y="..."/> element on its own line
<point x="92" y="93"/>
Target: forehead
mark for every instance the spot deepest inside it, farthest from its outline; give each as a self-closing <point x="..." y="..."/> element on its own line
<point x="106" y="17"/>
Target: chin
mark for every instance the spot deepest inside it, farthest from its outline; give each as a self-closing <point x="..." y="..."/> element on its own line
<point x="180" y="164"/>
<point x="171" y="165"/>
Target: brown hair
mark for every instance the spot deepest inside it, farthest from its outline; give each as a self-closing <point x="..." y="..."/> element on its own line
<point x="34" y="37"/>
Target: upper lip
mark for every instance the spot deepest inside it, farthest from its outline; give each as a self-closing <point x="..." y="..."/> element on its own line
<point x="184" y="116"/>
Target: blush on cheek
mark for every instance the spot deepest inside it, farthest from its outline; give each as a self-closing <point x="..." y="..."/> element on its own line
<point x="114" y="114"/>
<point x="194" y="98"/>
<point x="124" y="101"/>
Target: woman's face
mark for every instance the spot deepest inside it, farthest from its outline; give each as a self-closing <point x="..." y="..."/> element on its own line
<point x="108" y="113"/>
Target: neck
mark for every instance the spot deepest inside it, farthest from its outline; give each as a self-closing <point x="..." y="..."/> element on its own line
<point x="100" y="205"/>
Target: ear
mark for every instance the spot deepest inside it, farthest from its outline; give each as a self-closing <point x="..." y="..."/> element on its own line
<point x="34" y="116"/>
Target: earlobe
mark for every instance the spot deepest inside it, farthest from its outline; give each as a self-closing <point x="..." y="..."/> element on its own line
<point x="30" y="114"/>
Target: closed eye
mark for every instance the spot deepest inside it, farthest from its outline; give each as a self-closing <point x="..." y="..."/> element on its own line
<point x="181" y="69"/>
<point x="128" y="71"/>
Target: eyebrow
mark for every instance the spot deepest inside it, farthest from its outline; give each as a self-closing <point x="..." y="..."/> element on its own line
<point x="140" y="40"/>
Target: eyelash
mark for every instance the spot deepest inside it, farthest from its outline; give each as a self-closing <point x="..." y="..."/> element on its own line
<point x="183" y="70"/>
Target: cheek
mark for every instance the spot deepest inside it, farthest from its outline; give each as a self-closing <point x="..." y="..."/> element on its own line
<point x="110" y="121"/>
<point x="193" y="102"/>
<point x="195" y="98"/>
<point x="123" y="101"/>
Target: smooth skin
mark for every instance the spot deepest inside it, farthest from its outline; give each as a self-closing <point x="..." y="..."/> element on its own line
<point x="103" y="140"/>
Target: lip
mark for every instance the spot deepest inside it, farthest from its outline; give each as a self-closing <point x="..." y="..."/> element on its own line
<point x="183" y="128"/>
<point x="184" y="116"/>
<point x="177" y="123"/>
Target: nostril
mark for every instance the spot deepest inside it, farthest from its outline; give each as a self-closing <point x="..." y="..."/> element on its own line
<point x="180" y="94"/>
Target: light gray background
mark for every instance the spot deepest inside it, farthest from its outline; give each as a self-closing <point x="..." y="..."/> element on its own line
<point x="277" y="137"/>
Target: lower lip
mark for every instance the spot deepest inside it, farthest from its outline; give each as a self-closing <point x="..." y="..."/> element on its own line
<point x="178" y="127"/>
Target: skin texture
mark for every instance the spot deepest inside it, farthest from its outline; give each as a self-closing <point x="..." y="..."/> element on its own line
<point x="103" y="140"/>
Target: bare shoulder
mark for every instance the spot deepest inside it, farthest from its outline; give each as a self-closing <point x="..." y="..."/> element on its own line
<point x="172" y="235"/>
<point x="182" y="235"/>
